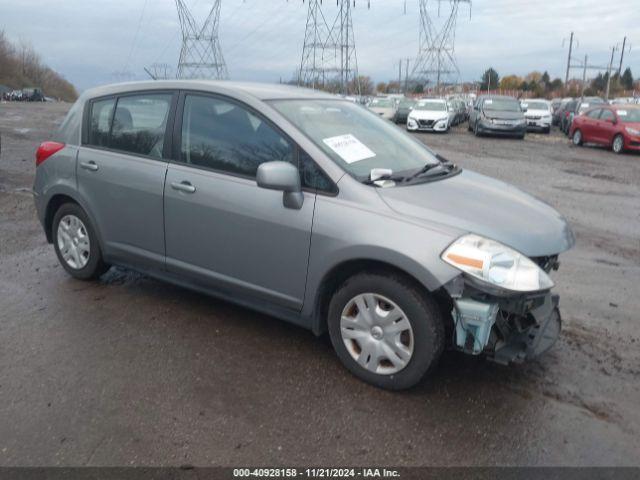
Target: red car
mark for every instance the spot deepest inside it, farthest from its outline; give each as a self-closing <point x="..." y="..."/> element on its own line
<point x="616" y="126"/>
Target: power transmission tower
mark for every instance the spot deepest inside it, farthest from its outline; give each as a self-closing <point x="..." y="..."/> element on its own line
<point x="436" y="63"/>
<point x="158" y="71"/>
<point x="201" y="55"/>
<point x="318" y="56"/>
<point x="329" y="53"/>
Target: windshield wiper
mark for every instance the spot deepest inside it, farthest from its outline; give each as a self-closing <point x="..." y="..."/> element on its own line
<point x="434" y="168"/>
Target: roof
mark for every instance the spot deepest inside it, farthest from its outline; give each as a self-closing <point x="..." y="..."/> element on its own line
<point x="260" y="91"/>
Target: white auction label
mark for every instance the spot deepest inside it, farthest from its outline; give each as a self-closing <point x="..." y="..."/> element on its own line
<point x="349" y="148"/>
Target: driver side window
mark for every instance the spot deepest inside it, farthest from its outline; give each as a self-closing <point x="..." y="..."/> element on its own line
<point x="223" y="136"/>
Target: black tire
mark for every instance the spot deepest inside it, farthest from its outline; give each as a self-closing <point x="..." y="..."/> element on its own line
<point x="95" y="265"/>
<point x="422" y="312"/>
<point x="617" y="145"/>
<point x="476" y="131"/>
<point x="547" y="130"/>
<point x="576" y="138"/>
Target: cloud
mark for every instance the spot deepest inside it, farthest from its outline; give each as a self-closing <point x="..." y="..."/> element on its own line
<point x="87" y="41"/>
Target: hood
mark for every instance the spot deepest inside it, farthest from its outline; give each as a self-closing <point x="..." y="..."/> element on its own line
<point x="383" y="111"/>
<point x="473" y="203"/>
<point x="502" y="115"/>
<point x="537" y="113"/>
<point x="429" y="114"/>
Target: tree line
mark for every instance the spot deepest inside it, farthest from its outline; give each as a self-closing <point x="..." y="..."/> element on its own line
<point x="541" y="84"/>
<point x="21" y="67"/>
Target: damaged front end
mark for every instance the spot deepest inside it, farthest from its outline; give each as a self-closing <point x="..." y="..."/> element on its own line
<point x="501" y="305"/>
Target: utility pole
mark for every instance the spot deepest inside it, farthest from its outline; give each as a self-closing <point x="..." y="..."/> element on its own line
<point x="201" y="55"/>
<point x="613" y="52"/>
<point x="400" y="76"/>
<point x="584" y="78"/>
<point x="406" y="75"/>
<point x="566" y="78"/>
<point x="624" y="44"/>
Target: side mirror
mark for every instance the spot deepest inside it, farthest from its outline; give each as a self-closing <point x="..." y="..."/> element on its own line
<point x="282" y="176"/>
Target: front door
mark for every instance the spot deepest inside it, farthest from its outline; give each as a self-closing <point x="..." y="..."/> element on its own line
<point x="121" y="172"/>
<point x="221" y="229"/>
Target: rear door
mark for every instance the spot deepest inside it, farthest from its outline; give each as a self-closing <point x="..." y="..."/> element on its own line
<point x="121" y="170"/>
<point x="222" y="230"/>
<point x="606" y="127"/>
<point x="589" y="125"/>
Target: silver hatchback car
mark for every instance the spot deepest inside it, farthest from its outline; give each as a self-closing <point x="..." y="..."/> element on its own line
<point x="307" y="207"/>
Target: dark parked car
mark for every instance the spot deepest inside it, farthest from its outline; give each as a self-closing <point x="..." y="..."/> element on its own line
<point x="497" y="115"/>
<point x="577" y="107"/>
<point x="404" y="108"/>
<point x="616" y="127"/>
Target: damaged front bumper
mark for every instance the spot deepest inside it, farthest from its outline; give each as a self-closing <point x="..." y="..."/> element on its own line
<point x="505" y="328"/>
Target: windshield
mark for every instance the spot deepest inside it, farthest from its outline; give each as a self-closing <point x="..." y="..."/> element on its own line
<point x="406" y="103"/>
<point x="381" y="103"/>
<point x="501" y="105"/>
<point x="354" y="138"/>
<point x="432" y="106"/>
<point x="536" y="105"/>
<point x="630" y="115"/>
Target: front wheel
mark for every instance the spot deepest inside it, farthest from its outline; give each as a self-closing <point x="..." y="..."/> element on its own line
<point x="577" y="138"/>
<point x="76" y="243"/>
<point x="385" y="329"/>
<point x="618" y="144"/>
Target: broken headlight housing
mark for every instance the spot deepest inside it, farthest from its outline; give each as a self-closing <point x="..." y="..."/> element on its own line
<point x="496" y="264"/>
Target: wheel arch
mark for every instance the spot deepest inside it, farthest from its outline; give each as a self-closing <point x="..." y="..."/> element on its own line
<point x="55" y="201"/>
<point x="339" y="273"/>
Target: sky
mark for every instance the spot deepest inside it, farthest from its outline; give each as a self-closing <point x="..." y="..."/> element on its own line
<point x="90" y="41"/>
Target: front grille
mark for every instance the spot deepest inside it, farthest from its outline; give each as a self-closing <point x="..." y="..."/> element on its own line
<point x="534" y="118"/>
<point x="426" y="123"/>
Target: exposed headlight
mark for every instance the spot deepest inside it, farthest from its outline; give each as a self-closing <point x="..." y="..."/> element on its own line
<point x="496" y="264"/>
<point x="445" y="119"/>
<point x="632" y="131"/>
<point x="412" y="122"/>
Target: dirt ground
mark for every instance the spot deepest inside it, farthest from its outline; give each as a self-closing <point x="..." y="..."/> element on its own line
<point x="131" y="371"/>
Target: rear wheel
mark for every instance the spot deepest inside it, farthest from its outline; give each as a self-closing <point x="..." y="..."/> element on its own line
<point x="76" y="243"/>
<point x="618" y="144"/>
<point x="385" y="330"/>
<point x="577" y="138"/>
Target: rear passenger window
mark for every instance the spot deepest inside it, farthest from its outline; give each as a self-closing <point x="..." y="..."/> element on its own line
<point x="224" y="136"/>
<point x="139" y="124"/>
<point x="100" y="124"/>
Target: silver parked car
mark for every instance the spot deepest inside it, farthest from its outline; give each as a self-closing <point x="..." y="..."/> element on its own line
<point x="307" y="207"/>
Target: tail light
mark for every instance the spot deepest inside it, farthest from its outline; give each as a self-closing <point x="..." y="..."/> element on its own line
<point x="46" y="149"/>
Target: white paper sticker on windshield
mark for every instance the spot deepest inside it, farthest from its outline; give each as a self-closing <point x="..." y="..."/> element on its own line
<point x="621" y="112"/>
<point x="349" y="148"/>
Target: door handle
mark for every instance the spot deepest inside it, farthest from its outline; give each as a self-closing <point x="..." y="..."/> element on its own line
<point x="91" y="165"/>
<point x="184" y="186"/>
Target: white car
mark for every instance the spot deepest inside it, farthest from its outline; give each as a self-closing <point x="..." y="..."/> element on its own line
<point x="384" y="106"/>
<point x="429" y="115"/>
<point x="537" y="113"/>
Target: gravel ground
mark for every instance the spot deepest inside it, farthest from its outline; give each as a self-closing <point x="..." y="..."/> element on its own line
<point x="131" y="371"/>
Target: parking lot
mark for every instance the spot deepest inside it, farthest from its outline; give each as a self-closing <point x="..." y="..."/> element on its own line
<point x="131" y="371"/>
